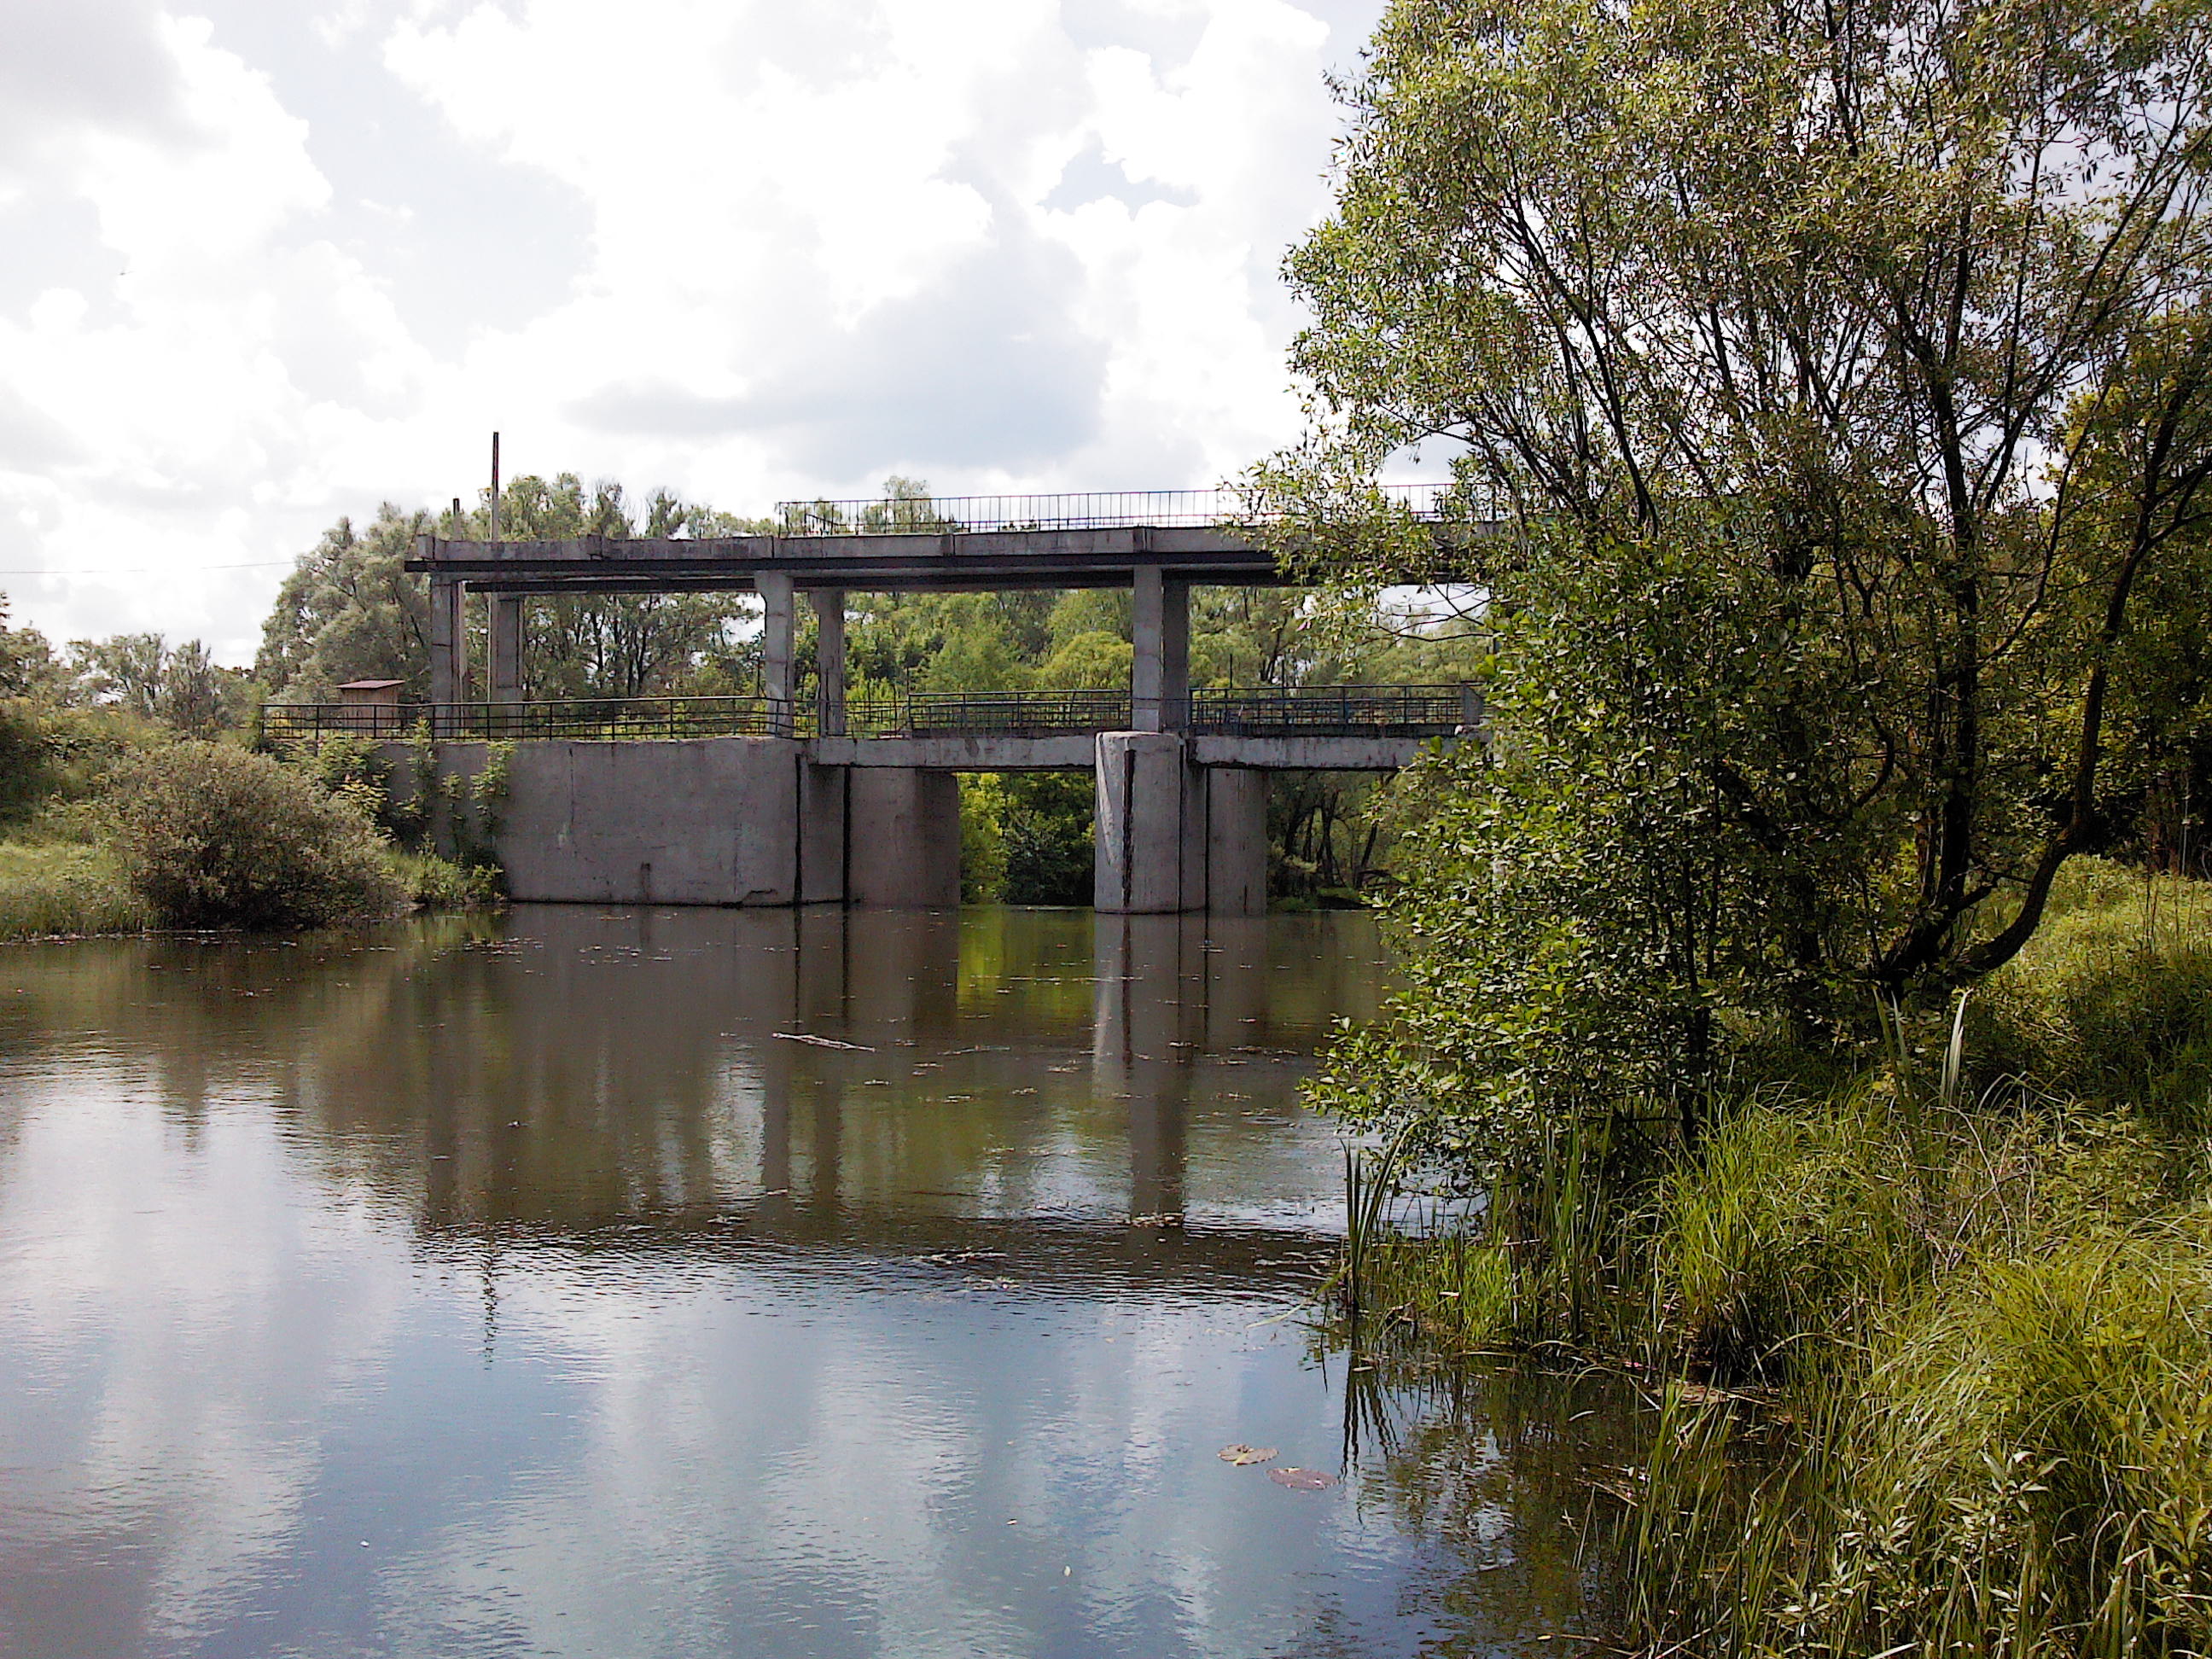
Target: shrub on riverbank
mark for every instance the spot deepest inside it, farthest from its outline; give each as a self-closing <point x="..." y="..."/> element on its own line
<point x="1941" y="1335"/>
<point x="211" y="835"/>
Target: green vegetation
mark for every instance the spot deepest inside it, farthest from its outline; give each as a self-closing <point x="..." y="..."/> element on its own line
<point x="1832" y="397"/>
<point x="115" y="818"/>
<point x="1933" y="1342"/>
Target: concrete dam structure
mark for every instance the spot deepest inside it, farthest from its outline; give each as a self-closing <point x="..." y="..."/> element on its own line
<point x="759" y="801"/>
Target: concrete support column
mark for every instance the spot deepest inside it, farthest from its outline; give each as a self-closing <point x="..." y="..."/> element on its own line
<point x="1151" y="826"/>
<point x="829" y="658"/>
<point x="1147" y="626"/>
<point x="1174" y="656"/>
<point x="1235" y="842"/>
<point x="777" y="680"/>
<point x="904" y="825"/>
<point x="449" y="644"/>
<point x="825" y="832"/>
<point x="504" y="624"/>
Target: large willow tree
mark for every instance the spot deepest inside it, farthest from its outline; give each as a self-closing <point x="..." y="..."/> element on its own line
<point x="1826" y="380"/>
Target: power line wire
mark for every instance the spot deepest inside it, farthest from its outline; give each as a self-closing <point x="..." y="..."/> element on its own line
<point x="154" y="569"/>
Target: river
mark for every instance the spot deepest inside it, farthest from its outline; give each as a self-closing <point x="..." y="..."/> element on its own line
<point x="684" y="1282"/>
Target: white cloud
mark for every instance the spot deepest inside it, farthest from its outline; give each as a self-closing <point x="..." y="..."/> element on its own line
<point x="744" y="251"/>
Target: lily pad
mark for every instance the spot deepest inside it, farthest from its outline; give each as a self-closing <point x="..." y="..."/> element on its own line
<point x="1302" y="1479"/>
<point x="1242" y="1454"/>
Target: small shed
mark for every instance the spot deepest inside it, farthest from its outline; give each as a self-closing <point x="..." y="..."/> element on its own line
<point x="369" y="705"/>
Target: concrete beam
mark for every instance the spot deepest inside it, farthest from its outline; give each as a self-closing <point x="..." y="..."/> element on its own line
<point x="1073" y="752"/>
<point x="1312" y="754"/>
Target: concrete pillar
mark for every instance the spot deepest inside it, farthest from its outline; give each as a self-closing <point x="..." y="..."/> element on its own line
<point x="825" y="832"/>
<point x="1235" y="842"/>
<point x="829" y="660"/>
<point x="1172" y="836"/>
<point x="905" y="838"/>
<point x="777" y="682"/>
<point x="1150" y="862"/>
<point x="1174" y="656"/>
<point x="1146" y="626"/>
<point x="449" y="644"/>
<point x="504" y="625"/>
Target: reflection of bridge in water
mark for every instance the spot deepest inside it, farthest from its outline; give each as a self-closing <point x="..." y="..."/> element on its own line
<point x="769" y="800"/>
<point x="1044" y="1096"/>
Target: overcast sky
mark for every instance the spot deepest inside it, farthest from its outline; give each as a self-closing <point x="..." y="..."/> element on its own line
<point x="271" y="261"/>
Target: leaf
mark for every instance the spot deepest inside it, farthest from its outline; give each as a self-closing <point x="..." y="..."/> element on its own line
<point x="1241" y="1454"/>
<point x="1302" y="1479"/>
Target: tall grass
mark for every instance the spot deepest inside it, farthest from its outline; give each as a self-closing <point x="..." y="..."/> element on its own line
<point x="1938" y="1337"/>
<point x="63" y="888"/>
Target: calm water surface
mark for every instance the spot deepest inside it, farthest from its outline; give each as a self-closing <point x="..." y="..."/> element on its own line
<point x="524" y="1286"/>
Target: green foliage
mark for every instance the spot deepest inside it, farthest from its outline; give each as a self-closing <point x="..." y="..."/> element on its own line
<point x="180" y="686"/>
<point x="209" y="835"/>
<point x="1831" y="392"/>
<point x="349" y="611"/>
<point x="2112" y="1000"/>
<point x="982" y="838"/>
<point x="1048" y="821"/>
<point x="64" y="888"/>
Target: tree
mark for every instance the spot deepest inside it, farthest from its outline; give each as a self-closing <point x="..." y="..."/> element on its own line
<point x="349" y="611"/>
<point x="180" y="686"/>
<point x="28" y="667"/>
<point x="617" y="645"/>
<point x="1825" y="383"/>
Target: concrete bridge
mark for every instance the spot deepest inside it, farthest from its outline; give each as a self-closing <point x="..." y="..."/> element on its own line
<point x="759" y="801"/>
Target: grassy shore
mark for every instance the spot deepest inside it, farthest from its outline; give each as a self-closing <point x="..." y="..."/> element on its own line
<point x="1931" y="1341"/>
<point x="104" y="818"/>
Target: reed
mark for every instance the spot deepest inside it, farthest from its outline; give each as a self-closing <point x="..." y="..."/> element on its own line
<point x="1938" y="1339"/>
<point x="63" y="888"/>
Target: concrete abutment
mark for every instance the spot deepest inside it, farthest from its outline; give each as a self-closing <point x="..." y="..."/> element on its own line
<point x="764" y="821"/>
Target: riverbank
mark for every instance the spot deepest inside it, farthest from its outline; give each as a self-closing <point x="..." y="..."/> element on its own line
<point x="111" y="824"/>
<point x="1931" y="1339"/>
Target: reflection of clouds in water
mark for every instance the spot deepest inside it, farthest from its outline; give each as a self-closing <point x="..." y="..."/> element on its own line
<point x="280" y="1279"/>
<point x="183" y="1323"/>
<point x="864" y="1456"/>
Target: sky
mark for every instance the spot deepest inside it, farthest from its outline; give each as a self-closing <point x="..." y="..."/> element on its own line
<point x="269" y="262"/>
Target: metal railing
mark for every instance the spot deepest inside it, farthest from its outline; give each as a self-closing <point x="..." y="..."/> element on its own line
<point x="1322" y="711"/>
<point x="998" y="714"/>
<point x="1259" y="711"/>
<point x="1104" y="510"/>
<point x="593" y="717"/>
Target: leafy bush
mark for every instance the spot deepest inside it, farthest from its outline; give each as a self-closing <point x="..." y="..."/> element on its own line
<point x="212" y="835"/>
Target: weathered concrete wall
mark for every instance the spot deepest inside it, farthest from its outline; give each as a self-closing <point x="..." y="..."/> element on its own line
<point x="903" y="839"/>
<point x="1235" y="842"/>
<point x="1175" y="836"/>
<point x="758" y="821"/>
<point x="733" y="821"/>
<point x="707" y="821"/>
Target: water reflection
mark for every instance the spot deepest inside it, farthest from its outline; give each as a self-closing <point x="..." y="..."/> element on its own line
<point x="710" y="1281"/>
